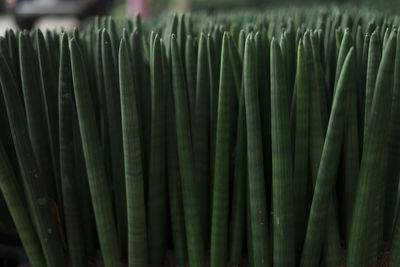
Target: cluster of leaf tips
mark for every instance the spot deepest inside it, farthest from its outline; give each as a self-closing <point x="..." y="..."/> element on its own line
<point x="252" y="139"/>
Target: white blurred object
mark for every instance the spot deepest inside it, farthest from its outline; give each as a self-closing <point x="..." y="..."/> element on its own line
<point x="7" y="22"/>
<point x="53" y="22"/>
<point x="179" y="6"/>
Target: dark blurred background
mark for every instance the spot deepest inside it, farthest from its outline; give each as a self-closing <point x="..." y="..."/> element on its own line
<point x="69" y="13"/>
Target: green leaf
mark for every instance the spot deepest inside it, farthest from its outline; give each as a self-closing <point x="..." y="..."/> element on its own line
<point x="136" y="209"/>
<point x="114" y="133"/>
<point x="157" y="194"/>
<point x="13" y="195"/>
<point x="221" y="196"/>
<point x="374" y="58"/>
<point x="99" y="190"/>
<point x="195" y="238"/>
<point x="257" y="199"/>
<point x="73" y="222"/>
<point x="327" y="172"/>
<point x="201" y="134"/>
<point x="301" y="149"/>
<point x="34" y="189"/>
<point x="370" y="189"/>
<point x="393" y="166"/>
<point x="282" y="165"/>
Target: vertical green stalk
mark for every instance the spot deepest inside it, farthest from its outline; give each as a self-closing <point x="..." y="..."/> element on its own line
<point x="48" y="80"/>
<point x="170" y="28"/>
<point x="36" y="114"/>
<point x="195" y="238"/>
<point x="393" y="166"/>
<point x="52" y="38"/>
<point x="201" y="134"/>
<point x="157" y="194"/>
<point x="385" y="37"/>
<point x="12" y="40"/>
<point x="283" y="43"/>
<point x="113" y="117"/>
<point x="362" y="91"/>
<point x="301" y="149"/>
<point x="350" y="158"/>
<point x="322" y="92"/>
<point x="73" y="222"/>
<point x="317" y="126"/>
<point x="174" y="176"/>
<point x="141" y="74"/>
<point x="99" y="82"/>
<point x="220" y="202"/>
<point x="345" y="45"/>
<point x="93" y="154"/>
<point x="282" y="179"/>
<point x="81" y="178"/>
<point x="236" y="62"/>
<point x="136" y="213"/>
<point x="290" y="56"/>
<point x="5" y="133"/>
<point x="238" y="207"/>
<point x="327" y="172"/>
<point x="264" y="92"/>
<point x="257" y="200"/>
<point x="137" y="62"/>
<point x="13" y="195"/>
<point x="370" y="188"/>
<point x="181" y="35"/>
<point x="217" y="41"/>
<point x="359" y="45"/>
<point x="374" y="58"/>
<point x="320" y="102"/>
<point x="113" y="38"/>
<point x="213" y="68"/>
<point x="38" y="202"/>
<point x="190" y="70"/>
<point x="349" y="163"/>
<point x="330" y="54"/>
<point x="241" y="43"/>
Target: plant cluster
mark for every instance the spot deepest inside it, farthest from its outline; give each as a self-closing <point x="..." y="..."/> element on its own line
<point x="267" y="138"/>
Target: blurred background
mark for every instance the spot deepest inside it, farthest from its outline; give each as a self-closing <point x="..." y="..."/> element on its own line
<point x="69" y="13"/>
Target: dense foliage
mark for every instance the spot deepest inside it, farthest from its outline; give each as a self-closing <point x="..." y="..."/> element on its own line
<point x="266" y="138"/>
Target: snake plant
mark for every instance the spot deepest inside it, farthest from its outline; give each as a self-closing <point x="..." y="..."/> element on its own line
<point x="259" y="137"/>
